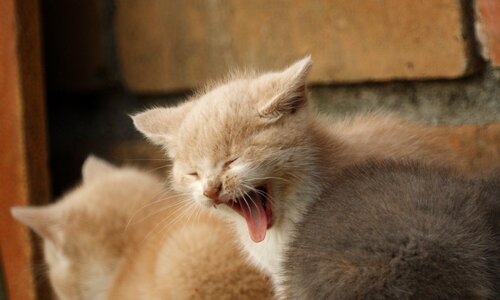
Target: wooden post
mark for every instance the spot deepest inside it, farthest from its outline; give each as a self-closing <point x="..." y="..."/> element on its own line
<point x="23" y="157"/>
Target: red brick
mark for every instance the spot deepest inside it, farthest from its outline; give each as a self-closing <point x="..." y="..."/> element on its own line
<point x="169" y="45"/>
<point x="488" y="29"/>
<point x="477" y="147"/>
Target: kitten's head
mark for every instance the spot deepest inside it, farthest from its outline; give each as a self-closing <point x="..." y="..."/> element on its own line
<point x="84" y="233"/>
<point x="241" y="144"/>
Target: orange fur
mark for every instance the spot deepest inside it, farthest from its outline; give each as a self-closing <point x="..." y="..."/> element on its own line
<point x="120" y="235"/>
<point x="261" y="126"/>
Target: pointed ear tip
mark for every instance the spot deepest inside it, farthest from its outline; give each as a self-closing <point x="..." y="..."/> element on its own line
<point x="14" y="209"/>
<point x="98" y="160"/>
<point x="137" y="115"/>
<point x="138" y="119"/>
<point x="132" y="116"/>
<point x="302" y="65"/>
<point x="17" y="211"/>
<point x="307" y="61"/>
<point x="91" y="158"/>
<point x="93" y="164"/>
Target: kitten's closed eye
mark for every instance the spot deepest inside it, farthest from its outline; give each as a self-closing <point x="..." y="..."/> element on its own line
<point x="194" y="175"/>
<point x="228" y="163"/>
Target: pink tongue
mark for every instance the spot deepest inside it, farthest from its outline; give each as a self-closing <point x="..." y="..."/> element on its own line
<point x="256" y="220"/>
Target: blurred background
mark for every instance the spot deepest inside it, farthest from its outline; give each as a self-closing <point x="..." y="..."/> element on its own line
<point x="74" y="70"/>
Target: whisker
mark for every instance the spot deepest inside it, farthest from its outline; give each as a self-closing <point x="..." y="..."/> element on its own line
<point x="198" y="216"/>
<point x="166" y="222"/>
<point x="262" y="193"/>
<point x="157" y="201"/>
<point x="179" y="217"/>
<point x="245" y="200"/>
<point x="160" y="210"/>
<point x="158" y="168"/>
<point x="255" y="204"/>
<point x="270" y="177"/>
<point x="145" y="159"/>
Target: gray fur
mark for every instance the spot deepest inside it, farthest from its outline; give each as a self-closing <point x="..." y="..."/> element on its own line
<point x="398" y="231"/>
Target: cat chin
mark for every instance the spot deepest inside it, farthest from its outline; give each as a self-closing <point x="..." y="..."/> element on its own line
<point x="205" y="203"/>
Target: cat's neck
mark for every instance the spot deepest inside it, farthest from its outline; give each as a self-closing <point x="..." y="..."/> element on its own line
<point x="322" y="158"/>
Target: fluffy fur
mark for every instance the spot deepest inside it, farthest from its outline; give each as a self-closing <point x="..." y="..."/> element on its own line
<point x="120" y="235"/>
<point x="386" y="230"/>
<point x="257" y="131"/>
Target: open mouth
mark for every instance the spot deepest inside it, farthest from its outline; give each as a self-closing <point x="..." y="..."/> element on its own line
<point x="256" y="208"/>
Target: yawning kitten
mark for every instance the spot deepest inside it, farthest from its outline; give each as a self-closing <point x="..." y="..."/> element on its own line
<point x="251" y="149"/>
<point x="386" y="230"/>
<point x="119" y="235"/>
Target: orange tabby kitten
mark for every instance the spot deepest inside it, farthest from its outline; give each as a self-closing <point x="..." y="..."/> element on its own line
<point x="251" y="148"/>
<point x="116" y="236"/>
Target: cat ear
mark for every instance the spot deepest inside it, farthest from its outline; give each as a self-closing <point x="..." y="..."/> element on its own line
<point x="160" y="124"/>
<point x="40" y="219"/>
<point x="94" y="167"/>
<point x="291" y="91"/>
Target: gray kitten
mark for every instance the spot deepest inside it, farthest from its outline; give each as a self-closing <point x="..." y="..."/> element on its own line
<point x="390" y="230"/>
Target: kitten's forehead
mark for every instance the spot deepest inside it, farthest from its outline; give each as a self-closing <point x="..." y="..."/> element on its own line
<point x="219" y="120"/>
<point x="239" y="96"/>
<point x="232" y="95"/>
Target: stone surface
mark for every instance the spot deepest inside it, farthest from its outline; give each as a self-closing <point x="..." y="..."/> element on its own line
<point x="488" y="29"/>
<point x="471" y="100"/>
<point x="172" y="45"/>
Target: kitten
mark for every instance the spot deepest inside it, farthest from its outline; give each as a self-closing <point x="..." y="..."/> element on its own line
<point x="115" y="237"/>
<point x="386" y="230"/>
<point x="253" y="149"/>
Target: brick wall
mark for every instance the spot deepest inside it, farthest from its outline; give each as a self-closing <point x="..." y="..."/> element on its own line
<point x="168" y="45"/>
<point x="158" y="46"/>
<point x="432" y="61"/>
<point x="488" y="29"/>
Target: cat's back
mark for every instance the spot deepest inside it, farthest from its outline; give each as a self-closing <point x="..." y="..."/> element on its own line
<point x="196" y="259"/>
<point x="397" y="230"/>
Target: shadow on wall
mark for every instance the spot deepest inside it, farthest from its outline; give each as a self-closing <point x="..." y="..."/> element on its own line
<point x="2" y="286"/>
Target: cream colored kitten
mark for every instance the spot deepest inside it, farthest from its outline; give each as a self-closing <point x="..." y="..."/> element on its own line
<point x="119" y="235"/>
<point x="252" y="150"/>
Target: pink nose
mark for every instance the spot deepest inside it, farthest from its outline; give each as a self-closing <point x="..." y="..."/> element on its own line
<point x="212" y="192"/>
